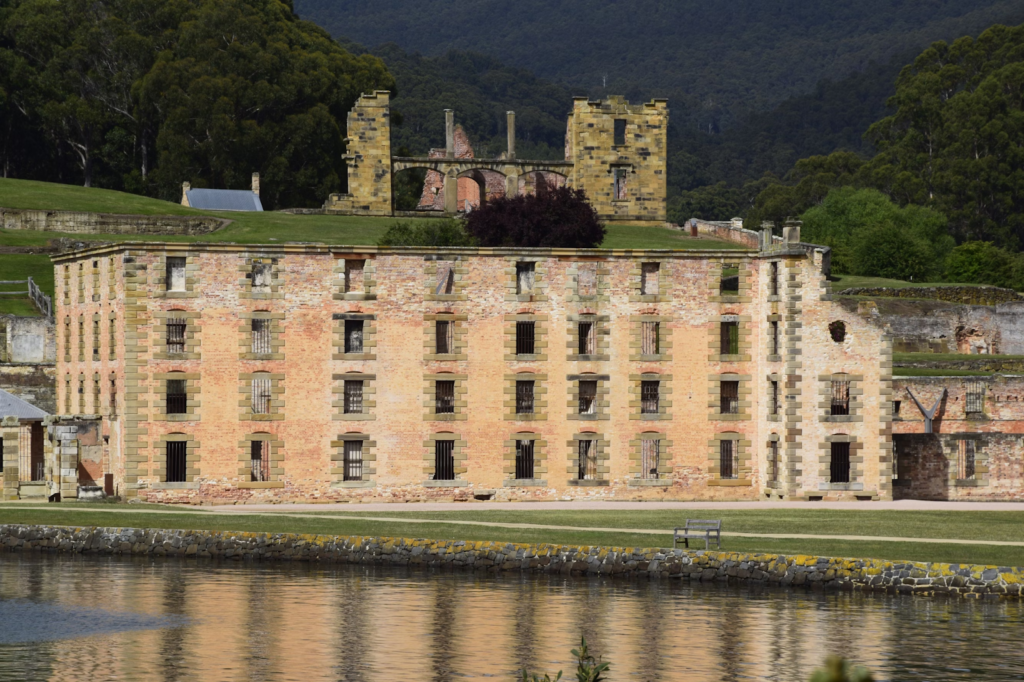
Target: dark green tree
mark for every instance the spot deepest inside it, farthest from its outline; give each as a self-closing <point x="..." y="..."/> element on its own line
<point x="983" y="263"/>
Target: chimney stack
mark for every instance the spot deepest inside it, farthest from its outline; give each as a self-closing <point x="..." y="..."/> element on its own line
<point x="185" y="187"/>
<point x="449" y="133"/>
<point x="511" y="134"/>
<point x="256" y="184"/>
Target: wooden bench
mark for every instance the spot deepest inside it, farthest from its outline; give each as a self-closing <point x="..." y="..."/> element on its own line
<point x="699" y="529"/>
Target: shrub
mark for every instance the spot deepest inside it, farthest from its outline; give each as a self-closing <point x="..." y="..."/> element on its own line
<point x="982" y="263"/>
<point x="588" y="668"/>
<point x="447" y="232"/>
<point x="557" y="218"/>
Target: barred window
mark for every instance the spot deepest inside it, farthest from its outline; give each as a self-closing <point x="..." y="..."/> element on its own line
<point x="975" y="400"/>
<point x="839" y="465"/>
<point x="95" y="339"/>
<point x="444" y="460"/>
<point x="444" y="397"/>
<point x="966" y="450"/>
<point x="524" y="459"/>
<point x="773" y="342"/>
<point x="353" y="460"/>
<point x="177" y="397"/>
<point x="773" y="461"/>
<point x="588" y="397"/>
<point x="261" y="391"/>
<point x="773" y="278"/>
<point x="650" y="343"/>
<point x="649" y="275"/>
<point x="526" y="343"/>
<point x="730" y="393"/>
<point x="524" y="397"/>
<point x="730" y="337"/>
<point x="175" y="274"/>
<point x="354" y="275"/>
<point x="773" y="398"/>
<point x="586" y="338"/>
<point x="176" y="335"/>
<point x="261" y="277"/>
<point x="353" y="336"/>
<point x="649" y="456"/>
<point x="840" y="405"/>
<point x="525" y="277"/>
<point x="727" y="459"/>
<point x="588" y="460"/>
<point x="445" y="278"/>
<point x="730" y="283"/>
<point x="444" y="341"/>
<point x="176" y="461"/>
<point x="586" y="279"/>
<point x="261" y="337"/>
<point x="259" y="460"/>
<point x="353" y="396"/>
<point x="650" y="399"/>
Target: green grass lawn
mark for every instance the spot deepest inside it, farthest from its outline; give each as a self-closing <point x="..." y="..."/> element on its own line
<point x="949" y="357"/>
<point x="973" y="525"/>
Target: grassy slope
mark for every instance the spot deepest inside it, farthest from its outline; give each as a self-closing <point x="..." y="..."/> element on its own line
<point x="841" y="282"/>
<point x="974" y="525"/>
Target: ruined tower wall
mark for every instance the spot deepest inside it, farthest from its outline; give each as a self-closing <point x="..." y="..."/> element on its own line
<point x="368" y="158"/>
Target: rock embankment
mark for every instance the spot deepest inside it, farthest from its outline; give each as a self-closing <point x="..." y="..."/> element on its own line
<point x="633" y="562"/>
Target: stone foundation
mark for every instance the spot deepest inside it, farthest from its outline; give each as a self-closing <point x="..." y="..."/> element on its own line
<point x="872" y="575"/>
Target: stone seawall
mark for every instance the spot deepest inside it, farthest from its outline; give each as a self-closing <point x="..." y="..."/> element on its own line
<point x="696" y="565"/>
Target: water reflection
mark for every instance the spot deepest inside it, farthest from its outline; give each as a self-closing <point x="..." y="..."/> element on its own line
<point x="296" y="622"/>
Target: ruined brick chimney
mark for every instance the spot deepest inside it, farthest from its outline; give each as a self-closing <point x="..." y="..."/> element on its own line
<point x="256" y="184"/>
<point x="185" y="187"/>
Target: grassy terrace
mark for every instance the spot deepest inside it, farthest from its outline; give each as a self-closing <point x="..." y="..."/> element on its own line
<point x="245" y="228"/>
<point x="943" y="525"/>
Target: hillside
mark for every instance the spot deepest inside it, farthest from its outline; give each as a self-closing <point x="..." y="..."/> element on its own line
<point x="714" y="61"/>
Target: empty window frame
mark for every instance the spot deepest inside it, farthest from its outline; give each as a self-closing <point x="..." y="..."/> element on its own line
<point x="261" y="391"/>
<point x="620" y="131"/>
<point x="175" y="274"/>
<point x="261" y="337"/>
<point x="261" y="277"/>
<point x="840" y="403"/>
<point x="445" y="278"/>
<point x="177" y="397"/>
<point x="444" y="460"/>
<point x="730" y="397"/>
<point x="839" y="463"/>
<point x="444" y="337"/>
<point x="112" y="340"/>
<point x="896" y="408"/>
<point x="966" y="452"/>
<point x="587" y="333"/>
<point x="353" y="460"/>
<point x="526" y="338"/>
<point x="259" y="460"/>
<point x="176" y="335"/>
<point x="524" y="397"/>
<point x="773" y="339"/>
<point x="650" y="341"/>
<point x="773" y="461"/>
<point x="729" y="333"/>
<point x="773" y="278"/>
<point x="649" y="278"/>
<point x="353" y="336"/>
<point x="444" y="397"/>
<point x="113" y="395"/>
<point x="588" y="460"/>
<point x="620" y="176"/>
<point x="773" y="398"/>
<point x="728" y="466"/>
<point x="176" y="461"/>
<point x="524" y="459"/>
<point x="588" y="397"/>
<point x="95" y="339"/>
<point x="730" y="284"/>
<point x="650" y="397"/>
<point x="354" y="276"/>
<point x="649" y="458"/>
<point x="353" y="396"/>
<point x="525" y="278"/>
<point x="975" y="397"/>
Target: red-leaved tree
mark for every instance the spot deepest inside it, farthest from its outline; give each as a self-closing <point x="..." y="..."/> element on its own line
<point x="556" y="218"/>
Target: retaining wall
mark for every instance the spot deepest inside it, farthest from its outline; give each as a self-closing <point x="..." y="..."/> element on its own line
<point x="696" y="565"/>
<point x="81" y="222"/>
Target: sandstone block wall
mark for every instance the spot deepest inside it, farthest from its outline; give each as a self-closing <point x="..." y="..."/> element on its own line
<point x="368" y="157"/>
<point x="80" y="222"/>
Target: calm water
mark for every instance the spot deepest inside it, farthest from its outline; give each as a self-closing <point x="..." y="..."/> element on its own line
<point x="119" y="619"/>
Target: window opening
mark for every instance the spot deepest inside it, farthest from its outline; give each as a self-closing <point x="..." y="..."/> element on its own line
<point x="773" y="278"/>
<point x="113" y="396"/>
<point x="727" y="459"/>
<point x="95" y="339"/>
<point x="965" y="459"/>
<point x="444" y="460"/>
<point x="353" y="396"/>
<point x="837" y="330"/>
<point x="176" y="335"/>
<point x="588" y="460"/>
<point x="259" y="460"/>
<point x="177" y="398"/>
<point x="773" y="461"/>
<point x="176" y="465"/>
<point x="975" y="400"/>
<point x="444" y="397"/>
<point x="840" y="398"/>
<point x="588" y="397"/>
<point x="526" y="338"/>
<point x="444" y="341"/>
<point x="839" y="467"/>
<point x="649" y="338"/>
<point x="620" y="131"/>
<point x="353" y="336"/>
<point x="730" y="391"/>
<point x="896" y="408"/>
<point x="176" y="274"/>
<point x="261" y="337"/>
<point x="774" y="330"/>
<point x="649" y="397"/>
<point x="261" y="396"/>
<point x="773" y="398"/>
<point x="525" y="277"/>
<point x="649" y="275"/>
<point x="524" y="459"/>
<point x="730" y="284"/>
<point x="445" y="278"/>
<point x="586" y="338"/>
<point x="354" y="275"/>
<point x="353" y="460"/>
<point x="524" y="397"/>
<point x="112" y="328"/>
<point x="620" y="175"/>
<point x="649" y="456"/>
<point x="96" y="400"/>
<point x="261" y="276"/>
<point x="730" y="338"/>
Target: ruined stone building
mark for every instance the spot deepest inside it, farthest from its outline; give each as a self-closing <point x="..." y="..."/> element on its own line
<point x="615" y="151"/>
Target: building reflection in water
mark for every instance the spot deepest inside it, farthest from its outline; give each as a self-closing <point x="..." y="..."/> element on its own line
<point x="354" y="624"/>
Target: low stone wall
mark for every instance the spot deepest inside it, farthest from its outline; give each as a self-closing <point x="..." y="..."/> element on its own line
<point x="809" y="571"/>
<point x="980" y="295"/>
<point x="81" y="222"/>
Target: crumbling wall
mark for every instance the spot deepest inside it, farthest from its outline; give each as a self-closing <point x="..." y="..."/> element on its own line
<point x="368" y="158"/>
